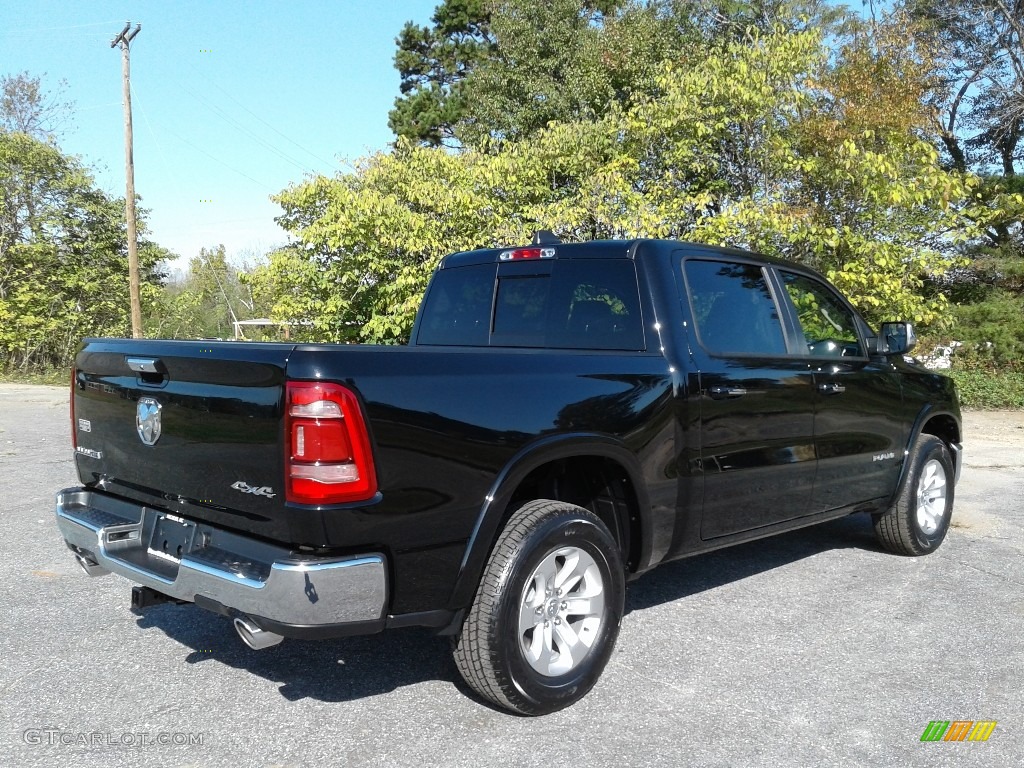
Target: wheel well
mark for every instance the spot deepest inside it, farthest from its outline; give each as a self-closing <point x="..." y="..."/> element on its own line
<point x="943" y="427"/>
<point x="596" y="483"/>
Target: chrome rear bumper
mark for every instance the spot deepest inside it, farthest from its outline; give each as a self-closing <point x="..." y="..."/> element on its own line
<point x="235" y="572"/>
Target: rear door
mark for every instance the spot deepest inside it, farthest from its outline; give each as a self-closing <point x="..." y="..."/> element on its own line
<point x="756" y="399"/>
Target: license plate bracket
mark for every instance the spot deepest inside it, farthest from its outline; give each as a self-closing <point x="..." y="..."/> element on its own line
<point x="172" y="537"/>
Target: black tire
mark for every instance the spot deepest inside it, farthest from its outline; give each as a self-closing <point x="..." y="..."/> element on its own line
<point x="490" y="652"/>
<point x="918" y="521"/>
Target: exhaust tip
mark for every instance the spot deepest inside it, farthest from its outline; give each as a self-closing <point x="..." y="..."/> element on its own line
<point x="253" y="636"/>
<point x="90" y="566"/>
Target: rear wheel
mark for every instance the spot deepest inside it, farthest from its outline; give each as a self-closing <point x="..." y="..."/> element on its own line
<point x="547" y="612"/>
<point x="918" y="521"/>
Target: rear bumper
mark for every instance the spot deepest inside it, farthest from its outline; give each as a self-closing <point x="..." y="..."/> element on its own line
<point x="284" y="592"/>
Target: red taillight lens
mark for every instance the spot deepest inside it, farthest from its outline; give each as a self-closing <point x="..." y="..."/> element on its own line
<point x="326" y="442"/>
<point x="330" y="460"/>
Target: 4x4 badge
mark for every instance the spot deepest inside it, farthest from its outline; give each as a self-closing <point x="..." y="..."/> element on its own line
<point x="264" y="490"/>
<point x="147" y="420"/>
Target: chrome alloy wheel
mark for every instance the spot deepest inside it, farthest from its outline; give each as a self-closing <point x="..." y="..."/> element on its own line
<point x="561" y="611"/>
<point x="931" y="496"/>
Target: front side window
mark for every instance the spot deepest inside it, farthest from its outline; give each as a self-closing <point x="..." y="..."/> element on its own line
<point x="733" y="308"/>
<point x="827" y="324"/>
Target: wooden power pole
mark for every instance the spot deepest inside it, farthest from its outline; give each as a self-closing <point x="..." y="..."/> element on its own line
<point x="124" y="39"/>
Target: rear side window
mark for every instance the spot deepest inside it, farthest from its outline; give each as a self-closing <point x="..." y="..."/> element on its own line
<point x="457" y="309"/>
<point x="733" y="308"/>
<point x="569" y="304"/>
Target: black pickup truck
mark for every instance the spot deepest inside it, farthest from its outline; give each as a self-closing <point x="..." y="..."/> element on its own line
<point x="565" y="418"/>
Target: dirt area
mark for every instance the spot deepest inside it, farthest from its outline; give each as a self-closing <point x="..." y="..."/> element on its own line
<point x="996" y="426"/>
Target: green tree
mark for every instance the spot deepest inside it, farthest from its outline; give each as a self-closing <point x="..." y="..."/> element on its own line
<point x="26" y="106"/>
<point x="559" y="60"/>
<point x="978" y="51"/>
<point x="433" y="63"/>
<point x="206" y="302"/>
<point x="63" y="256"/>
<point x="734" y="19"/>
<point x="292" y="290"/>
<point x="502" y="70"/>
<point x="765" y="142"/>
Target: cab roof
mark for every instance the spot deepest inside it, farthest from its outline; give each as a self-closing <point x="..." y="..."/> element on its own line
<point x="605" y="249"/>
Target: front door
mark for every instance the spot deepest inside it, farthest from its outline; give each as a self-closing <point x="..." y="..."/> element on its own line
<point x="857" y="423"/>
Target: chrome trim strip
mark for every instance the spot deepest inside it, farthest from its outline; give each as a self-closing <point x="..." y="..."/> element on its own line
<point x="142" y="364"/>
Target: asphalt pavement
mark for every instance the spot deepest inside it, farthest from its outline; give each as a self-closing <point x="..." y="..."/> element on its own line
<point x="813" y="648"/>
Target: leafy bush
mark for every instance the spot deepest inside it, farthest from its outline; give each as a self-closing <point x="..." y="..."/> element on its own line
<point x="990" y="389"/>
<point x="992" y="334"/>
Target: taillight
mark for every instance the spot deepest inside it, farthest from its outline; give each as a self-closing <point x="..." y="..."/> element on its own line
<point x="519" y="254"/>
<point x="330" y="460"/>
<point x="74" y="424"/>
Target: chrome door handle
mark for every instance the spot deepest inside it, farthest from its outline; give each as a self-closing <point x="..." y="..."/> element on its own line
<point x="831" y="388"/>
<point x="728" y="391"/>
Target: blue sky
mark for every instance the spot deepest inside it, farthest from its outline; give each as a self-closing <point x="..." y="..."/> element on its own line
<point x="232" y="101"/>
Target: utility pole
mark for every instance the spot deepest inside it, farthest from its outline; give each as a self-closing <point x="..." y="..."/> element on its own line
<point x="124" y="38"/>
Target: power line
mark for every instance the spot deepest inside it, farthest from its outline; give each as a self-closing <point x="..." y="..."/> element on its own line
<point x="156" y="140"/>
<point x="59" y="29"/>
<point x="99" y="106"/>
<point x="241" y="128"/>
<point x="210" y="222"/>
<point x="159" y="146"/>
<point x="275" y="130"/>
<point x="149" y="126"/>
<point x="218" y="160"/>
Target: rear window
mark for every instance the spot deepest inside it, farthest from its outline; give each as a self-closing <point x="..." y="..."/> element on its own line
<point x="568" y="304"/>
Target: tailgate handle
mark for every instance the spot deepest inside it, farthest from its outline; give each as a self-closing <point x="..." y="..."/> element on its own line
<point x="143" y="364"/>
<point x="151" y="370"/>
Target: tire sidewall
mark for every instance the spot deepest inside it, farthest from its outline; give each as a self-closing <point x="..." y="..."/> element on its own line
<point x="566" y="528"/>
<point x="932" y="449"/>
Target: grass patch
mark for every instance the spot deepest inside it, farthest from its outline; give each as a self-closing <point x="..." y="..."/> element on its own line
<point x="989" y="390"/>
<point x="60" y="377"/>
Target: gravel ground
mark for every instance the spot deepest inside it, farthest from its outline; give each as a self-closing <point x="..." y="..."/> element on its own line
<point x="813" y="648"/>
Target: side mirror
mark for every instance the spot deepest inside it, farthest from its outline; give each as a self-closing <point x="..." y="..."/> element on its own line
<point x="896" y="338"/>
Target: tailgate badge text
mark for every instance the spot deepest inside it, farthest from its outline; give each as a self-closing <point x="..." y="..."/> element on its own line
<point x="244" y="487"/>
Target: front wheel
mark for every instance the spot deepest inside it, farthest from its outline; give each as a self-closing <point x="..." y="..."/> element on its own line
<point x="546" y="615"/>
<point x="918" y="521"/>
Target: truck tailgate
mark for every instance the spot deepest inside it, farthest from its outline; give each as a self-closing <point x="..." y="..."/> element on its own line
<point x="194" y="427"/>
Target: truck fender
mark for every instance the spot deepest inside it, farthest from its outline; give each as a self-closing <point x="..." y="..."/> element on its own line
<point x="495" y="511"/>
<point x="926" y="414"/>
